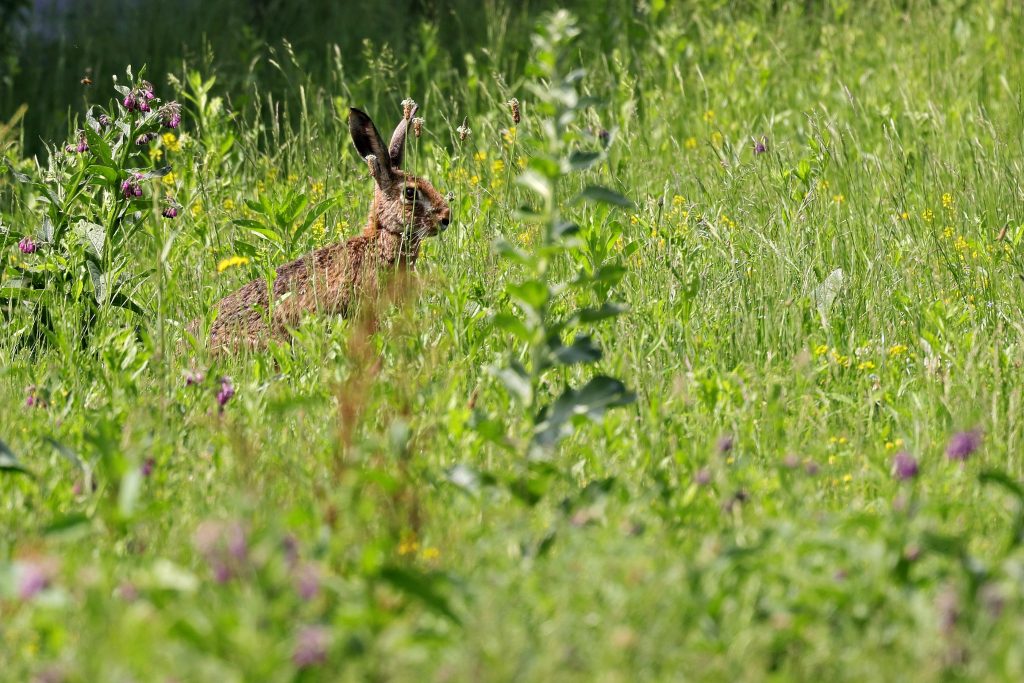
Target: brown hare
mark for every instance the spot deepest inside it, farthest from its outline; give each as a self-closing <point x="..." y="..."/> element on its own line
<point x="405" y="210"/>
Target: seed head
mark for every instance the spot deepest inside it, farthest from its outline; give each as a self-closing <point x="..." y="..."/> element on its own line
<point x="417" y="126"/>
<point x="463" y="130"/>
<point x="407" y="104"/>
<point x="513" y="104"/>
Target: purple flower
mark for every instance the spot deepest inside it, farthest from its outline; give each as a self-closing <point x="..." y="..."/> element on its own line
<point x="131" y="188"/>
<point x="963" y="444"/>
<point x="193" y="377"/>
<point x="170" y="114"/>
<point x="147" y="467"/>
<point x="703" y="477"/>
<point x="27" y="246"/>
<point x="290" y="546"/>
<point x="236" y="542"/>
<point x="725" y="444"/>
<point x="83" y="144"/>
<point x="170" y="212"/>
<point x="307" y="581"/>
<point x="35" y="578"/>
<point x="311" y="646"/>
<point x="143" y="106"/>
<point x="760" y="146"/>
<point x="129" y="102"/>
<point x="104" y="121"/>
<point x="145" y="139"/>
<point x="227" y="391"/>
<point x="223" y="546"/>
<point x="904" y="466"/>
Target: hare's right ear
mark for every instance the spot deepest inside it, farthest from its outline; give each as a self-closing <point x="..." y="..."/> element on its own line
<point x="369" y="142"/>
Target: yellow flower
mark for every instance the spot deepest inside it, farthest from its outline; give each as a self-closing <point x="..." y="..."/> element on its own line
<point x="196" y="210"/>
<point x="229" y="204"/>
<point x="897" y="350"/>
<point x="171" y="142"/>
<point x="430" y="554"/>
<point x="947" y="201"/>
<point x="231" y="262"/>
<point x="521" y="162"/>
<point x="709" y="116"/>
<point x="716" y="138"/>
<point x="838" y="199"/>
<point x="474" y="180"/>
<point x="317" y="188"/>
<point x="272" y="173"/>
<point x="526" y="237"/>
<point x="678" y="200"/>
<point x="292" y="178"/>
<point x="820" y="350"/>
<point x="948" y="232"/>
<point x="155" y="153"/>
<point x="169" y="179"/>
<point x="497" y="166"/>
<point x="509" y="136"/>
<point x="927" y="215"/>
<point x="866" y="365"/>
<point x="408" y="546"/>
<point x="905" y="216"/>
<point x="823" y="184"/>
<point x="480" y="156"/>
<point x="691" y="143"/>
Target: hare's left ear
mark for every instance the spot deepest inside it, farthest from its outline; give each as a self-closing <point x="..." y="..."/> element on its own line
<point x="397" y="149"/>
<point x="368" y="143"/>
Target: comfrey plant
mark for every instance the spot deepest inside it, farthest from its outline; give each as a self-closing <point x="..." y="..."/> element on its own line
<point x="549" y="332"/>
<point x="96" y="196"/>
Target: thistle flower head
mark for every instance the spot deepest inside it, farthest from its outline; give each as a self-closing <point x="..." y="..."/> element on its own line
<point x="963" y="444"/>
<point x="904" y="466"/>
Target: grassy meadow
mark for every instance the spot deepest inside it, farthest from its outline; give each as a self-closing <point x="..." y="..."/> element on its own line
<point x="756" y="413"/>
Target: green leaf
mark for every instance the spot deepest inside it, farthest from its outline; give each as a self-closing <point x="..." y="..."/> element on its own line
<point x="604" y="195"/>
<point x="19" y="176"/>
<point x="582" y="350"/>
<point x="555" y="422"/>
<point x="512" y="324"/>
<point x="506" y="249"/>
<point x="107" y="173"/>
<point x="95" y="236"/>
<point x="9" y="461"/>
<point x="581" y="161"/>
<point x="260" y="230"/>
<point x="517" y="382"/>
<point x="532" y="294"/>
<point x="533" y="180"/>
<point x="421" y="586"/>
<point x="98" y="146"/>
<point x="313" y="214"/>
<point x="607" y="310"/>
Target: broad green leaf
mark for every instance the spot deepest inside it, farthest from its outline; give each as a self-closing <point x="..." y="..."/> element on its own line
<point x="532" y="294"/>
<point x="512" y="324"/>
<point x="504" y="248"/>
<point x="535" y="181"/>
<point x="582" y="350"/>
<point x="422" y="586"/>
<point x="604" y="195"/>
<point x="581" y="161"/>
<point x="9" y="462"/>
<point x="313" y="214"/>
<point x="599" y="394"/>
<point x="607" y="310"/>
<point x="517" y="382"/>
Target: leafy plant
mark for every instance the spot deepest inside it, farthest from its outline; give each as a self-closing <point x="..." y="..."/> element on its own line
<point x="549" y="332"/>
<point x="97" y="194"/>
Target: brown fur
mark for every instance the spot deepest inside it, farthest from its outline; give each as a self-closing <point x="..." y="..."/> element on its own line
<point x="331" y="279"/>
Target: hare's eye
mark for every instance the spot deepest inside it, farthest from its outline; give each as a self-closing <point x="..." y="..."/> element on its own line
<point x="410" y="194"/>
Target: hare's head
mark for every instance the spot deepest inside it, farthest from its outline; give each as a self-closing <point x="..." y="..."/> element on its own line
<point x="403" y="204"/>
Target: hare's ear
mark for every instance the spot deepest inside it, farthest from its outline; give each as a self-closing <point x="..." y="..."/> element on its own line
<point x="368" y="141"/>
<point x="397" y="149"/>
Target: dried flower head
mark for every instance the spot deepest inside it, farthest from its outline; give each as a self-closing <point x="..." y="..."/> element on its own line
<point x="513" y="104"/>
<point x="417" y="126"/>
<point x="407" y="104"/>
<point x="463" y="130"/>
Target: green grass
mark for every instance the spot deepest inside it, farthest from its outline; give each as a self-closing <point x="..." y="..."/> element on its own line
<point x="848" y="294"/>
